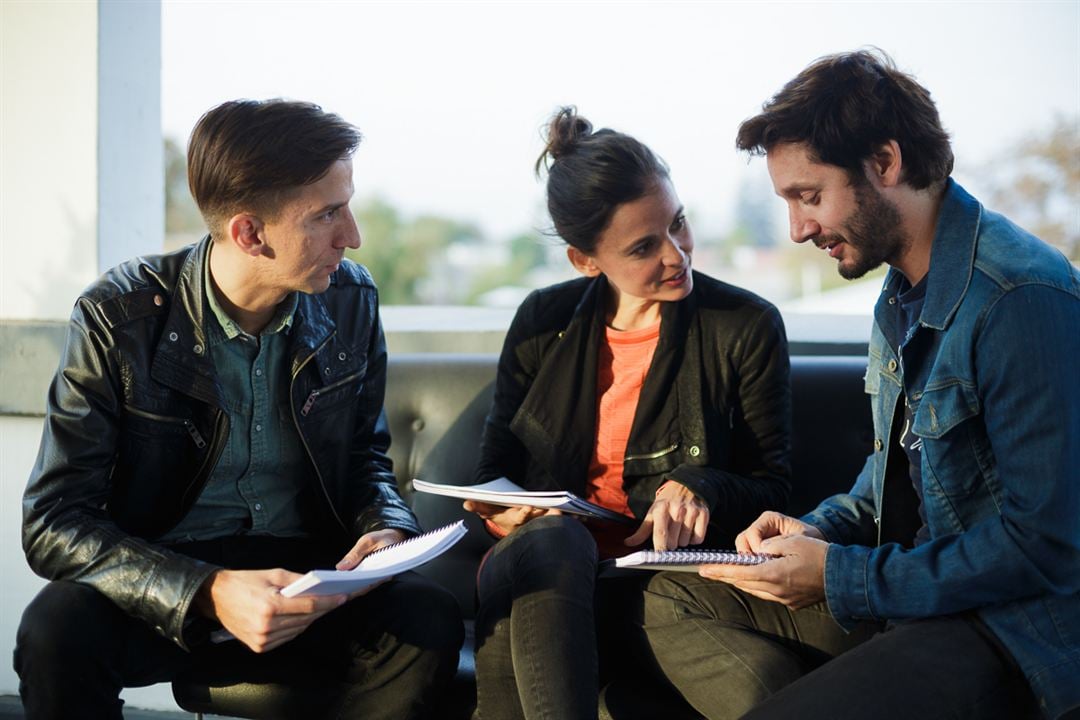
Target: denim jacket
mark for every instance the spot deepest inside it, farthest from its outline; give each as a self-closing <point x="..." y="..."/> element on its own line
<point x="991" y="372"/>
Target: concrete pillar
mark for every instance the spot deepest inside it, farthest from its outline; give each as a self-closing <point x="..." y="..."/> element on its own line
<point x="80" y="131"/>
<point x="81" y="188"/>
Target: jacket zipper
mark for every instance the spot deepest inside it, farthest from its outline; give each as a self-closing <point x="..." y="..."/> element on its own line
<point x="193" y="431"/>
<point x="304" y="411"/>
<point x="310" y="402"/>
<point x="652" y="455"/>
<point x="211" y="457"/>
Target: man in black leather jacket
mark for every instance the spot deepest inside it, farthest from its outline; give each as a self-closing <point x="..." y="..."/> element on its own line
<point x="215" y="428"/>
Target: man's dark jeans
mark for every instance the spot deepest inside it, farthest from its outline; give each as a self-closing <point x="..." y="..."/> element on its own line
<point x="734" y="655"/>
<point x="390" y="652"/>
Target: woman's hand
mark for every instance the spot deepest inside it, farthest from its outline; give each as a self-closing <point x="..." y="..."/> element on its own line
<point x="676" y="519"/>
<point x="507" y="519"/>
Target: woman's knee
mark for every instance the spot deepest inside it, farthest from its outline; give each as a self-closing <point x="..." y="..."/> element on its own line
<point x="554" y="552"/>
<point x="558" y="537"/>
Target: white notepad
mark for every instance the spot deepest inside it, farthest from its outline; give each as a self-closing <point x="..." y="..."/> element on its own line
<point x="509" y="494"/>
<point x="382" y="563"/>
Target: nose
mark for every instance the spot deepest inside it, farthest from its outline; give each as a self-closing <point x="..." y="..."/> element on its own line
<point x="676" y="251"/>
<point x="350" y="234"/>
<point x="802" y="227"/>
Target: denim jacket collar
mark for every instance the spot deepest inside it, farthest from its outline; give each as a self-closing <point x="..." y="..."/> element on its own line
<point x="952" y="260"/>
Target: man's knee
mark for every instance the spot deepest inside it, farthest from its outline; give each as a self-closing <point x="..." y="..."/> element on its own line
<point x="422" y="613"/>
<point x="67" y="623"/>
<point x="675" y="596"/>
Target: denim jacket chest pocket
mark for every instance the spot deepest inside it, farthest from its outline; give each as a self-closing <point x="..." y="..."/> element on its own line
<point x="956" y="455"/>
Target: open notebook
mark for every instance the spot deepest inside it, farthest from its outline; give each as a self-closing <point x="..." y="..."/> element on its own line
<point x="382" y="563"/>
<point x="505" y="492"/>
<point x="688" y="560"/>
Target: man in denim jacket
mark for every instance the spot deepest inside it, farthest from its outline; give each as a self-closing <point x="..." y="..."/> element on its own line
<point x="947" y="582"/>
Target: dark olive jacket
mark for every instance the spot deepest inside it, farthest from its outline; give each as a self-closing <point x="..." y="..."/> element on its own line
<point x="134" y="425"/>
<point x="713" y="414"/>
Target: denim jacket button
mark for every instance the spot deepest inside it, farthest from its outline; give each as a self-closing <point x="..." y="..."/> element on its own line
<point x="892" y="366"/>
<point x="694" y="451"/>
<point x="878" y="445"/>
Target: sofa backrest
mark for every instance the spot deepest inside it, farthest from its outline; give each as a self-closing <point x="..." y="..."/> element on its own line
<point x="436" y="405"/>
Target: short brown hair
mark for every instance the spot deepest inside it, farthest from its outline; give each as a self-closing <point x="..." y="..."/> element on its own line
<point x="848" y="105"/>
<point x="246" y="155"/>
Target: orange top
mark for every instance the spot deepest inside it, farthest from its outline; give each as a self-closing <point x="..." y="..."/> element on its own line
<point x="624" y="361"/>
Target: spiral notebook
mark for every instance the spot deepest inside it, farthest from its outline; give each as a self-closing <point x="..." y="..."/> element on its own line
<point x="382" y="563"/>
<point x="688" y="560"/>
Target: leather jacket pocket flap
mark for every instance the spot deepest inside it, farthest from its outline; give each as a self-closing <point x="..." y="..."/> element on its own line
<point x="943" y="408"/>
<point x="336" y="393"/>
<point x="146" y="423"/>
<point x="659" y="462"/>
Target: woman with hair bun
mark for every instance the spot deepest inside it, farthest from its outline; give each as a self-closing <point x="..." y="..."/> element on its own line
<point x="643" y="386"/>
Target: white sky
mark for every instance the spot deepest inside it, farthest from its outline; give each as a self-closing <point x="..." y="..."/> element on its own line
<point x="451" y="96"/>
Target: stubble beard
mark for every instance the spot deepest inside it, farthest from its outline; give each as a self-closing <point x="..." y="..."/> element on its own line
<point x="873" y="233"/>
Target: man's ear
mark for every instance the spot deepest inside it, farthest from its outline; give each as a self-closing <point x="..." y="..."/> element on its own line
<point x="886" y="164"/>
<point x="244" y="230"/>
<point x="584" y="263"/>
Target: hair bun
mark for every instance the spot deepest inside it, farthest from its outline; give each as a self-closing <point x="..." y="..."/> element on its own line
<point x="564" y="132"/>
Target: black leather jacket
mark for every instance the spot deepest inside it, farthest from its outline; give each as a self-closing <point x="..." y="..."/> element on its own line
<point x="134" y="426"/>
<point x="714" y="413"/>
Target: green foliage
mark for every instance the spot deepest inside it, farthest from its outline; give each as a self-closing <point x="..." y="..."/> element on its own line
<point x="527" y="252"/>
<point x="181" y="214"/>
<point x="400" y="253"/>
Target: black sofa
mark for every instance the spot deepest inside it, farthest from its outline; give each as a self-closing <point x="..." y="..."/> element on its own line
<point x="436" y="404"/>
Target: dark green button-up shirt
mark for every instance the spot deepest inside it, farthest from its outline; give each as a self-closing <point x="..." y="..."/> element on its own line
<point x="257" y="484"/>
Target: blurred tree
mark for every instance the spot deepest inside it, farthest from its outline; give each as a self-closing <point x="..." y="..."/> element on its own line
<point x="405" y="255"/>
<point x="755" y="210"/>
<point x="527" y="252"/>
<point x="1037" y="184"/>
<point x="181" y="214"/>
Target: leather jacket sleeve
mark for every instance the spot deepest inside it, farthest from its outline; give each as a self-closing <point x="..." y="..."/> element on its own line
<point x="755" y="474"/>
<point x="67" y="531"/>
<point x="502" y="454"/>
<point x="374" y="500"/>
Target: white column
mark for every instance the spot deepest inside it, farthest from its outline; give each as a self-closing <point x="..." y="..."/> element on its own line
<point x="131" y="194"/>
<point x="81" y="188"/>
<point x="81" y="184"/>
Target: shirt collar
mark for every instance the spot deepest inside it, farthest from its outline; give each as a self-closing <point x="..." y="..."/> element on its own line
<point x="230" y="330"/>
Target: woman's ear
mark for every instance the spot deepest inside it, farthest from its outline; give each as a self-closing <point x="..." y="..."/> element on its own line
<point x="582" y="262"/>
